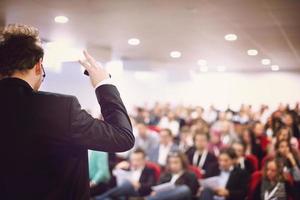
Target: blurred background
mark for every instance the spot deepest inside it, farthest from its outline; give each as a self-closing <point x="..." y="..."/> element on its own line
<point x="191" y="52"/>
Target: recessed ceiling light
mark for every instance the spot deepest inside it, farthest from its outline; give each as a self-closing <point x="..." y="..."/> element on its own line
<point x="265" y="61"/>
<point x="175" y="54"/>
<point x="221" y="68"/>
<point x="202" y="62"/>
<point x="134" y="41"/>
<point x="61" y="19"/>
<point x="275" y="68"/>
<point x="252" y="52"/>
<point x="203" y="69"/>
<point x="230" y="37"/>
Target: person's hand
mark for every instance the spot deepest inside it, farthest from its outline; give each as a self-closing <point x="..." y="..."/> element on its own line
<point x="123" y="165"/>
<point x="291" y="158"/>
<point x="92" y="184"/>
<point x="223" y="192"/>
<point x="96" y="72"/>
<point x="136" y="185"/>
<point x="153" y="193"/>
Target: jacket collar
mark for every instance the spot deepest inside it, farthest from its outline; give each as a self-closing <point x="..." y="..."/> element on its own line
<point x="16" y="82"/>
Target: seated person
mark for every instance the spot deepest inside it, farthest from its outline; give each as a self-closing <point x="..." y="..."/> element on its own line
<point x="291" y="162"/>
<point x="232" y="182"/>
<point x="185" y="183"/>
<point x="272" y="185"/>
<point x="159" y="152"/>
<point x="242" y="161"/>
<point x="140" y="181"/>
<point x="145" y="138"/>
<point x="289" y="157"/>
<point x="98" y="172"/>
<point x="199" y="156"/>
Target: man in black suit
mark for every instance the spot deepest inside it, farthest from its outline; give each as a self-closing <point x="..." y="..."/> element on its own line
<point x="45" y="136"/>
<point x="200" y="157"/>
<point x="233" y="181"/>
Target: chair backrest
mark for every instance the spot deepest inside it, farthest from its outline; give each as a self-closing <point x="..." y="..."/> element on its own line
<point x="254" y="181"/>
<point x="254" y="161"/>
<point x="156" y="169"/>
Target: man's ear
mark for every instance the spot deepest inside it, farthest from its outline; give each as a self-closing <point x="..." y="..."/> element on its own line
<point x="38" y="67"/>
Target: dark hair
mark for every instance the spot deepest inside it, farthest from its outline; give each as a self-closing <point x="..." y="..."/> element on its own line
<point x="139" y="151"/>
<point x="294" y="151"/>
<point x="19" y="49"/>
<point x="183" y="159"/>
<point x="240" y="143"/>
<point x="230" y="152"/>
<point x="279" y="131"/>
<point x="201" y="133"/>
<point x="279" y="168"/>
<point x="168" y="131"/>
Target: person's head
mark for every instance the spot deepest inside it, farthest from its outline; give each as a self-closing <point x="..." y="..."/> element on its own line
<point x="239" y="149"/>
<point x="21" y="54"/>
<point x="288" y="119"/>
<point x="185" y="132"/>
<point x="201" y="141"/>
<point x="284" y="133"/>
<point x="177" y="162"/>
<point x="227" y="159"/>
<point x="272" y="170"/>
<point x="142" y="129"/>
<point x="166" y="136"/>
<point x="283" y="147"/>
<point x="138" y="158"/>
<point x="258" y="129"/>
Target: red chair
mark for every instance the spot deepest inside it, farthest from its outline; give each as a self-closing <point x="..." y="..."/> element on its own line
<point x="196" y="171"/>
<point x="254" y="181"/>
<point x="156" y="169"/>
<point x="254" y="161"/>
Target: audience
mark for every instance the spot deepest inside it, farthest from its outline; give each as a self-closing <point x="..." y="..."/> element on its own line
<point x="159" y="152"/>
<point x="232" y="181"/>
<point x="145" y="138"/>
<point x="242" y="161"/>
<point x="226" y="145"/>
<point x="199" y="155"/>
<point x="185" y="183"/>
<point x="272" y="184"/>
<point x="141" y="178"/>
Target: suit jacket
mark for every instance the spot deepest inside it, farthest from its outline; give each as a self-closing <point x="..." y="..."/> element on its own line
<point x="45" y="137"/>
<point x="147" y="180"/>
<point x="237" y="183"/>
<point x="187" y="178"/>
<point x="210" y="160"/>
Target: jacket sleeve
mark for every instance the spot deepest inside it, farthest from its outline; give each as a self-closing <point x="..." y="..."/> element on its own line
<point x="113" y="134"/>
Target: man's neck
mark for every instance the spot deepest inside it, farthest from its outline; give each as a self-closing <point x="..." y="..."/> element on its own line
<point x="24" y="78"/>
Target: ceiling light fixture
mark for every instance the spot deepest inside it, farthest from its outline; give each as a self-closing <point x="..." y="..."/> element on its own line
<point x="266" y="61"/>
<point x="133" y="41"/>
<point x="275" y="68"/>
<point x="61" y="19"/>
<point x="175" y="54"/>
<point x="252" y="52"/>
<point x="231" y="37"/>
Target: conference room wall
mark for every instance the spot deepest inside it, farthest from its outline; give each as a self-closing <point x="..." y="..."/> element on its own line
<point x="220" y="89"/>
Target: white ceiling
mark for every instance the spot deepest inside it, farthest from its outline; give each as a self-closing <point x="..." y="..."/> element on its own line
<point x="196" y="28"/>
